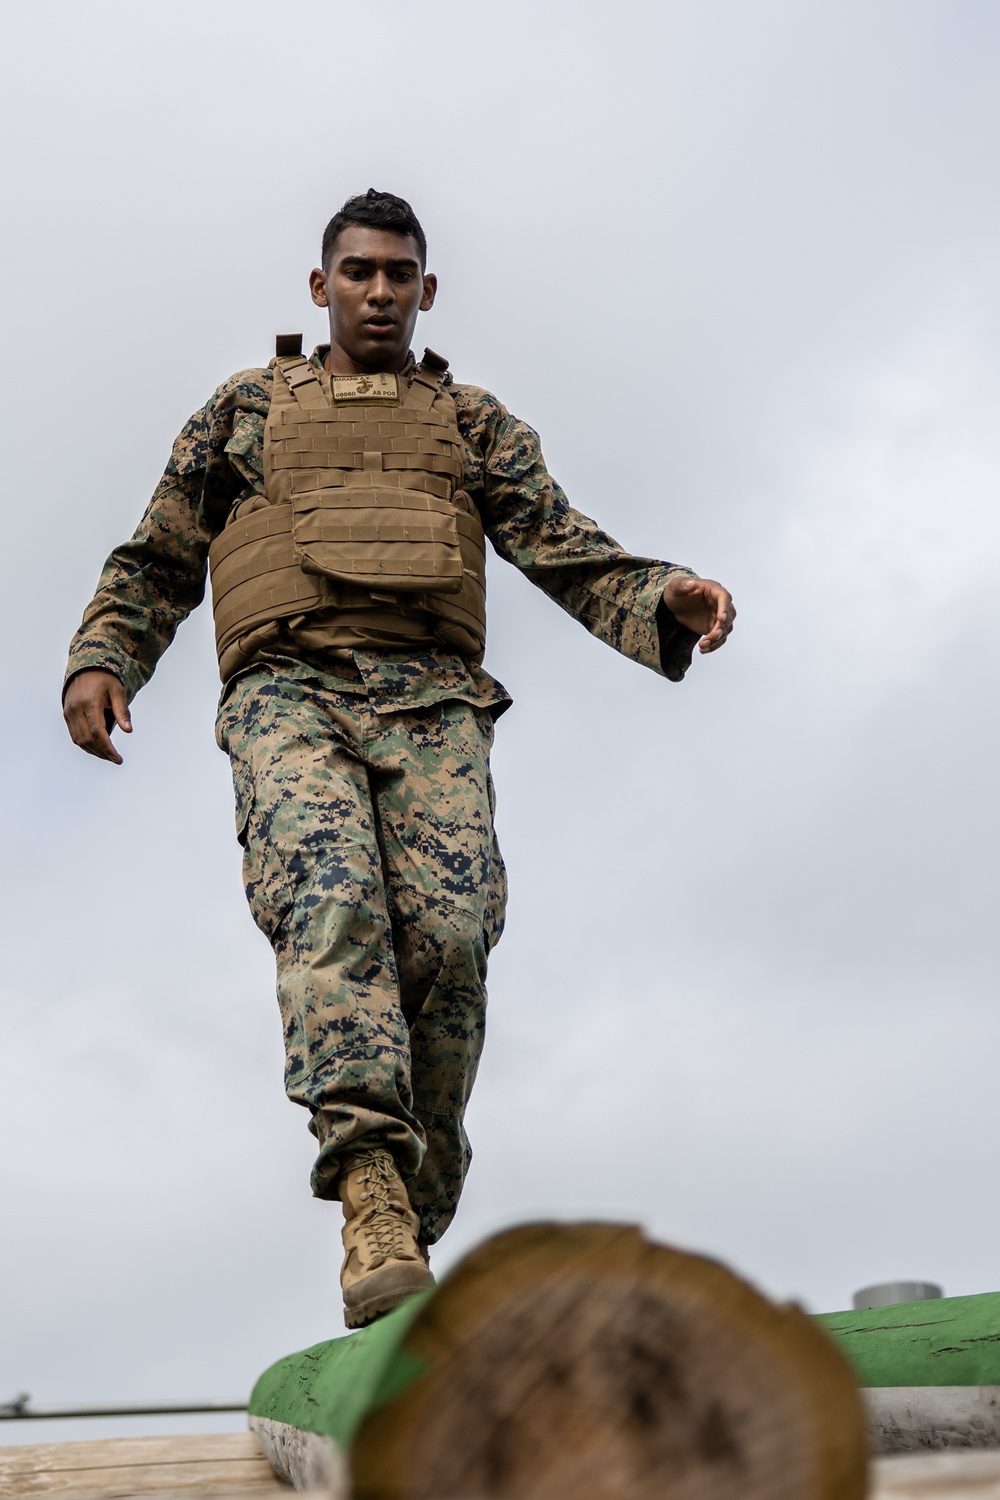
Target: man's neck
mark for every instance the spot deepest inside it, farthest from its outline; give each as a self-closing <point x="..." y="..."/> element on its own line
<point x="326" y="357"/>
<point x="339" y="363"/>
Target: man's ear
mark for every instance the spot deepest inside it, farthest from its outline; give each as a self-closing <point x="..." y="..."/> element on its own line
<point x="430" y="292"/>
<point x="317" y="288"/>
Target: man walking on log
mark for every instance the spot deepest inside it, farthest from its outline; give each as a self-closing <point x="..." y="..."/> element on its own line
<point x="341" y="503"/>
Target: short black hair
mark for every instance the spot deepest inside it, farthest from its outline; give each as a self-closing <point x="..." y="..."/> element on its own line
<point x="376" y="211"/>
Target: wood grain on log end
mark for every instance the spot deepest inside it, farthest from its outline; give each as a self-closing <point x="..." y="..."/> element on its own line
<point x="585" y="1361"/>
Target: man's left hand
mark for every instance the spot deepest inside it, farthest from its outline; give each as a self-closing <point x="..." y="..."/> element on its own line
<point x="702" y="605"/>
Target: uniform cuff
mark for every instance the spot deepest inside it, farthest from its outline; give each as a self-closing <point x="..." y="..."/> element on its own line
<point x="94" y="660"/>
<point x="677" y="643"/>
<point x="650" y="634"/>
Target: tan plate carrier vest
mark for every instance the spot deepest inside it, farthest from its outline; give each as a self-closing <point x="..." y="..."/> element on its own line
<point x="365" y="518"/>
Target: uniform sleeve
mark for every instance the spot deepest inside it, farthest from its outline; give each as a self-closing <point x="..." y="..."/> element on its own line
<point x="152" y="582"/>
<point x="618" y="597"/>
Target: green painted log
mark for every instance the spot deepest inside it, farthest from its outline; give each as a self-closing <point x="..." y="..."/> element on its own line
<point x="943" y="1348"/>
<point x="330" y="1387"/>
<point x="572" y="1360"/>
<point x="952" y="1341"/>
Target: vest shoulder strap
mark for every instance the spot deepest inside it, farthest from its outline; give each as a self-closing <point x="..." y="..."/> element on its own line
<point x="302" y="380"/>
<point x="428" y="379"/>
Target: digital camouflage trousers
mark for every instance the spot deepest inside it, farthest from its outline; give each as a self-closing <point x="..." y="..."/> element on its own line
<point x="371" y="864"/>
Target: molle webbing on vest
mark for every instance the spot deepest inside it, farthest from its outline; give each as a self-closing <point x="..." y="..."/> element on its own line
<point x="370" y="487"/>
<point x="365" y="515"/>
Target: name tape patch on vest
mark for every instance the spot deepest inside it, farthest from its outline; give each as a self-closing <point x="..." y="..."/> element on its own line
<point x="365" y="388"/>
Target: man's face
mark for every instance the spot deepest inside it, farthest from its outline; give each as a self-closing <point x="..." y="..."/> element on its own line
<point x="374" y="288"/>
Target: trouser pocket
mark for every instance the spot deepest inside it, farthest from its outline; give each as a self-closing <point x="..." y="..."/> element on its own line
<point x="265" y="880"/>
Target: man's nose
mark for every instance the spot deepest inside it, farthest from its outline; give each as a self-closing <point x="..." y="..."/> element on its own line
<point x="380" y="289"/>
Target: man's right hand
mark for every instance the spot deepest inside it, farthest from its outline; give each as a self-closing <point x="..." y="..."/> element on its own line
<point x="95" y="701"/>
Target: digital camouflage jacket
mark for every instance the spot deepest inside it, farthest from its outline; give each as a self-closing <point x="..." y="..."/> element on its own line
<point x="152" y="582"/>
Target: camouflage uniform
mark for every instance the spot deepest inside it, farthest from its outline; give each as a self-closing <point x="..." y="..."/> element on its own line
<point x="364" y="799"/>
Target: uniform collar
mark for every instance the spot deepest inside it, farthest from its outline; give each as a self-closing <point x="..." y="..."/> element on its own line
<point x="322" y="350"/>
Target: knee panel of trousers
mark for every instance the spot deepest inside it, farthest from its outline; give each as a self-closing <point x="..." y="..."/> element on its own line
<point x="432" y="936"/>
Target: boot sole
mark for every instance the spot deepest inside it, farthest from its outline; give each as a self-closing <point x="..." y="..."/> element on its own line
<point x="380" y="1292"/>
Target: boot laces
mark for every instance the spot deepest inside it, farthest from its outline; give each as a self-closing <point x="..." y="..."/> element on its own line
<point x="385" y="1232"/>
<point x="384" y="1228"/>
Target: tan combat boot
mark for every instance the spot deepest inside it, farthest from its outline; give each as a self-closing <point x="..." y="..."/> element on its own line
<point x="383" y="1264"/>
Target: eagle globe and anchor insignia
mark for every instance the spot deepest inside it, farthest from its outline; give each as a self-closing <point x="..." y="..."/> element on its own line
<point x="365" y="387"/>
<point x="365" y="515"/>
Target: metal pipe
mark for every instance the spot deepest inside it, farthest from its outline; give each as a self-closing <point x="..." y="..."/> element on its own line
<point x="20" y="1410"/>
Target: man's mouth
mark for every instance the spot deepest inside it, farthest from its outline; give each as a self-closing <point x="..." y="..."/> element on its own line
<point x="379" y="324"/>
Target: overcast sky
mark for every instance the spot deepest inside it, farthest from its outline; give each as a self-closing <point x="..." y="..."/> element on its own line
<point x="739" y="264"/>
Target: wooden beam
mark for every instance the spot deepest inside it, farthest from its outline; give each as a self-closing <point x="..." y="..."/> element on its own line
<point x="225" y="1463"/>
<point x="937" y="1476"/>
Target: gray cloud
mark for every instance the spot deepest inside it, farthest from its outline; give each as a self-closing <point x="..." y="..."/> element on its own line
<point x="738" y="265"/>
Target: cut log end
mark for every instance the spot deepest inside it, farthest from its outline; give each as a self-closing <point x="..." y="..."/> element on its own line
<point x="585" y="1361"/>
